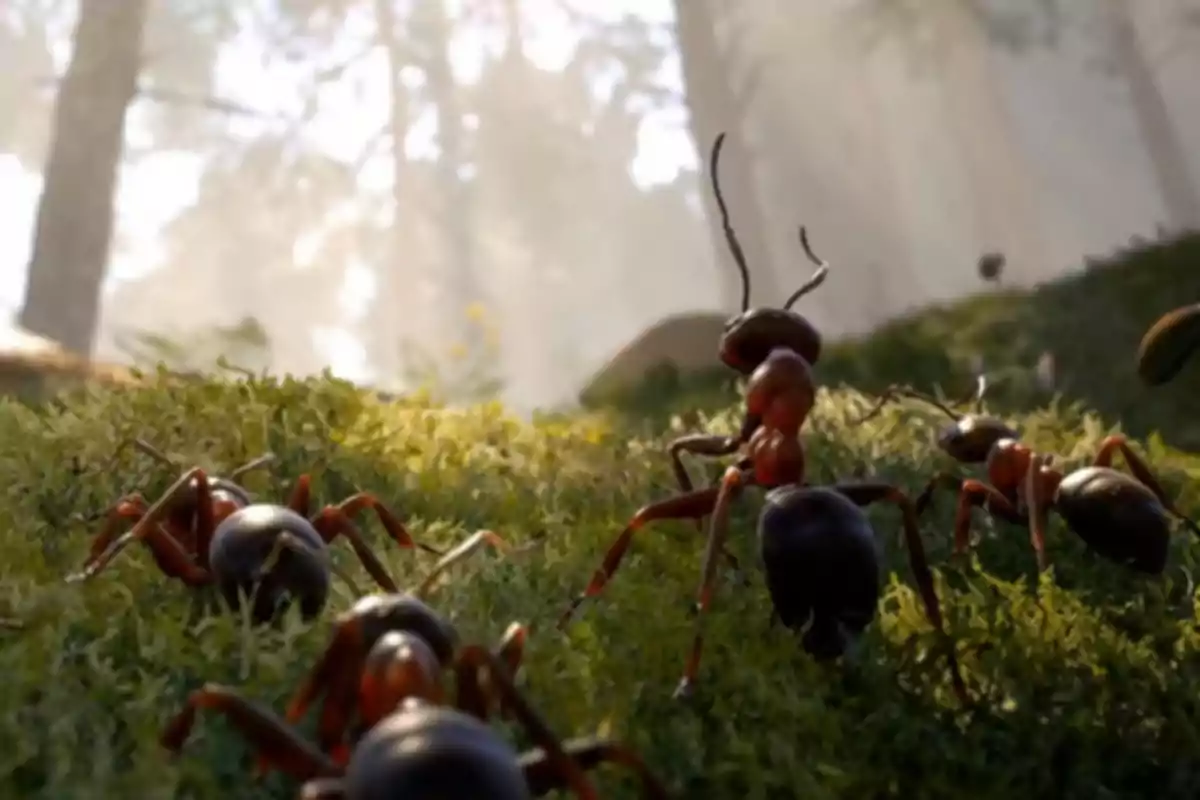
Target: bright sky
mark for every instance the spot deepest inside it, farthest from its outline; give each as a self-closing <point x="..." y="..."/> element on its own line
<point x="160" y="186"/>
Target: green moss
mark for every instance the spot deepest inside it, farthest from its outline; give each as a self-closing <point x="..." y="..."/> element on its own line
<point x="1088" y="683"/>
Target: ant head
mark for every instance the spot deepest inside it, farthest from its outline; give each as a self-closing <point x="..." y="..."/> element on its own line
<point x="751" y="335"/>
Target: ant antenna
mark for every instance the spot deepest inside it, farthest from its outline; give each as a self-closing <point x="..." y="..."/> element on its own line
<point x="735" y="247"/>
<point x="981" y="387"/>
<point x="817" y="278"/>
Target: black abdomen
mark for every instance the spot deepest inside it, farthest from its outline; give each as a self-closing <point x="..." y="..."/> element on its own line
<point x="822" y="564"/>
<point x="429" y="753"/>
<point x="1116" y="516"/>
<point x="246" y="540"/>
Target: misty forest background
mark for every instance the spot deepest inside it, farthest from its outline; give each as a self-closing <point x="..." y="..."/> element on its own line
<point x="429" y="180"/>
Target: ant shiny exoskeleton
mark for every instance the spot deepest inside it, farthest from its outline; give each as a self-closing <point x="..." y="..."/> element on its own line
<point x="1168" y="344"/>
<point x="817" y="546"/>
<point x="386" y="664"/>
<point x="272" y="553"/>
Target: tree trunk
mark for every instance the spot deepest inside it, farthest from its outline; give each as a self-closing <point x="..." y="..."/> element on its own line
<point x="713" y="108"/>
<point x="454" y="214"/>
<point x="1167" y="156"/>
<point x="1003" y="186"/>
<point x="393" y="281"/>
<point x="75" y="217"/>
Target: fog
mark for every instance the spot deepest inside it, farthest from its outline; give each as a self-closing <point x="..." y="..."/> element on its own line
<point x="546" y="206"/>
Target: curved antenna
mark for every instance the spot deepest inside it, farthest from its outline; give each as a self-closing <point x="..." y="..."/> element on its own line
<point x="735" y="247"/>
<point x="817" y="278"/>
<point x="981" y="387"/>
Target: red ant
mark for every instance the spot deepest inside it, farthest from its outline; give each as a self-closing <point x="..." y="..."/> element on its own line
<point x="1121" y="518"/>
<point x="816" y="543"/>
<point x="385" y="662"/>
<point x="181" y="515"/>
<point x="1168" y="344"/>
<point x="969" y="437"/>
<point x="204" y="531"/>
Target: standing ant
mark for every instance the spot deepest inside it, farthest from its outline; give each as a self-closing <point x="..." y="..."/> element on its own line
<point x="816" y="544"/>
<point x="750" y="336"/>
<point x="273" y="553"/>
<point x="386" y="661"/>
<point x="1168" y="344"/>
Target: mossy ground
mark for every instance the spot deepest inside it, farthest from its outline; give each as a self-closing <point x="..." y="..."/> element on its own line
<point x="1087" y="681"/>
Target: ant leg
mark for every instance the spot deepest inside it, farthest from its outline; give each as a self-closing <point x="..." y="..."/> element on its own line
<point x="169" y="554"/>
<point x="511" y="653"/>
<point x="463" y="551"/>
<point x="352" y="506"/>
<point x="589" y="753"/>
<point x="1038" y="508"/>
<point x="977" y="494"/>
<point x="940" y="480"/>
<point x="699" y="444"/>
<point x="324" y="789"/>
<point x="300" y="499"/>
<point x="474" y="665"/>
<point x="693" y="505"/>
<point x="336" y="675"/>
<point x="277" y="744"/>
<point x="732" y="484"/>
<point x="711" y="446"/>
<point x="253" y="464"/>
<point x="155" y="453"/>
<point x="865" y="494"/>
<point x="130" y="508"/>
<point x="511" y="650"/>
<point x="1141" y="470"/>
<point x="331" y="523"/>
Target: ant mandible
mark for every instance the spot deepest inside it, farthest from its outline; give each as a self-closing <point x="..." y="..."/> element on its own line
<point x="1168" y="344"/>
<point x="806" y="534"/>
<point x="386" y="661"/>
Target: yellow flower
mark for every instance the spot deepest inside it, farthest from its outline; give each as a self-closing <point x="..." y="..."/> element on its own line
<point x="476" y="312"/>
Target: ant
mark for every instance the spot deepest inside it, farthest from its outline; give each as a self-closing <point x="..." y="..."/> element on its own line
<point x="385" y="661"/>
<point x="1168" y="344"/>
<point x="969" y="437"/>
<point x="816" y="544"/>
<point x="750" y="337"/>
<point x="1121" y="518"/>
<point x="180" y="517"/>
<point x="276" y="553"/>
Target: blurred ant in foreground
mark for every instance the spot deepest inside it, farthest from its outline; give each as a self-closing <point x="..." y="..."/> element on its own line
<point x="1168" y="344"/>
<point x="205" y="531"/>
<point x="1121" y="518"/>
<point x="386" y="662"/>
<point x="818" y="548"/>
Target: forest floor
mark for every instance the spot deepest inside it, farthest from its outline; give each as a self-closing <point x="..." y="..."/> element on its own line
<point x="1085" y="681"/>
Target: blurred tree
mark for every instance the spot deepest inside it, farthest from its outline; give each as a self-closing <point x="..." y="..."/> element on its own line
<point x="73" y="232"/>
<point x="956" y="36"/>
<point x="716" y="104"/>
<point x="1042" y="23"/>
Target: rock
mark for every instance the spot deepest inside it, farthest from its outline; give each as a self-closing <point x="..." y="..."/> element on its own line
<point x="685" y="342"/>
<point x="34" y="367"/>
